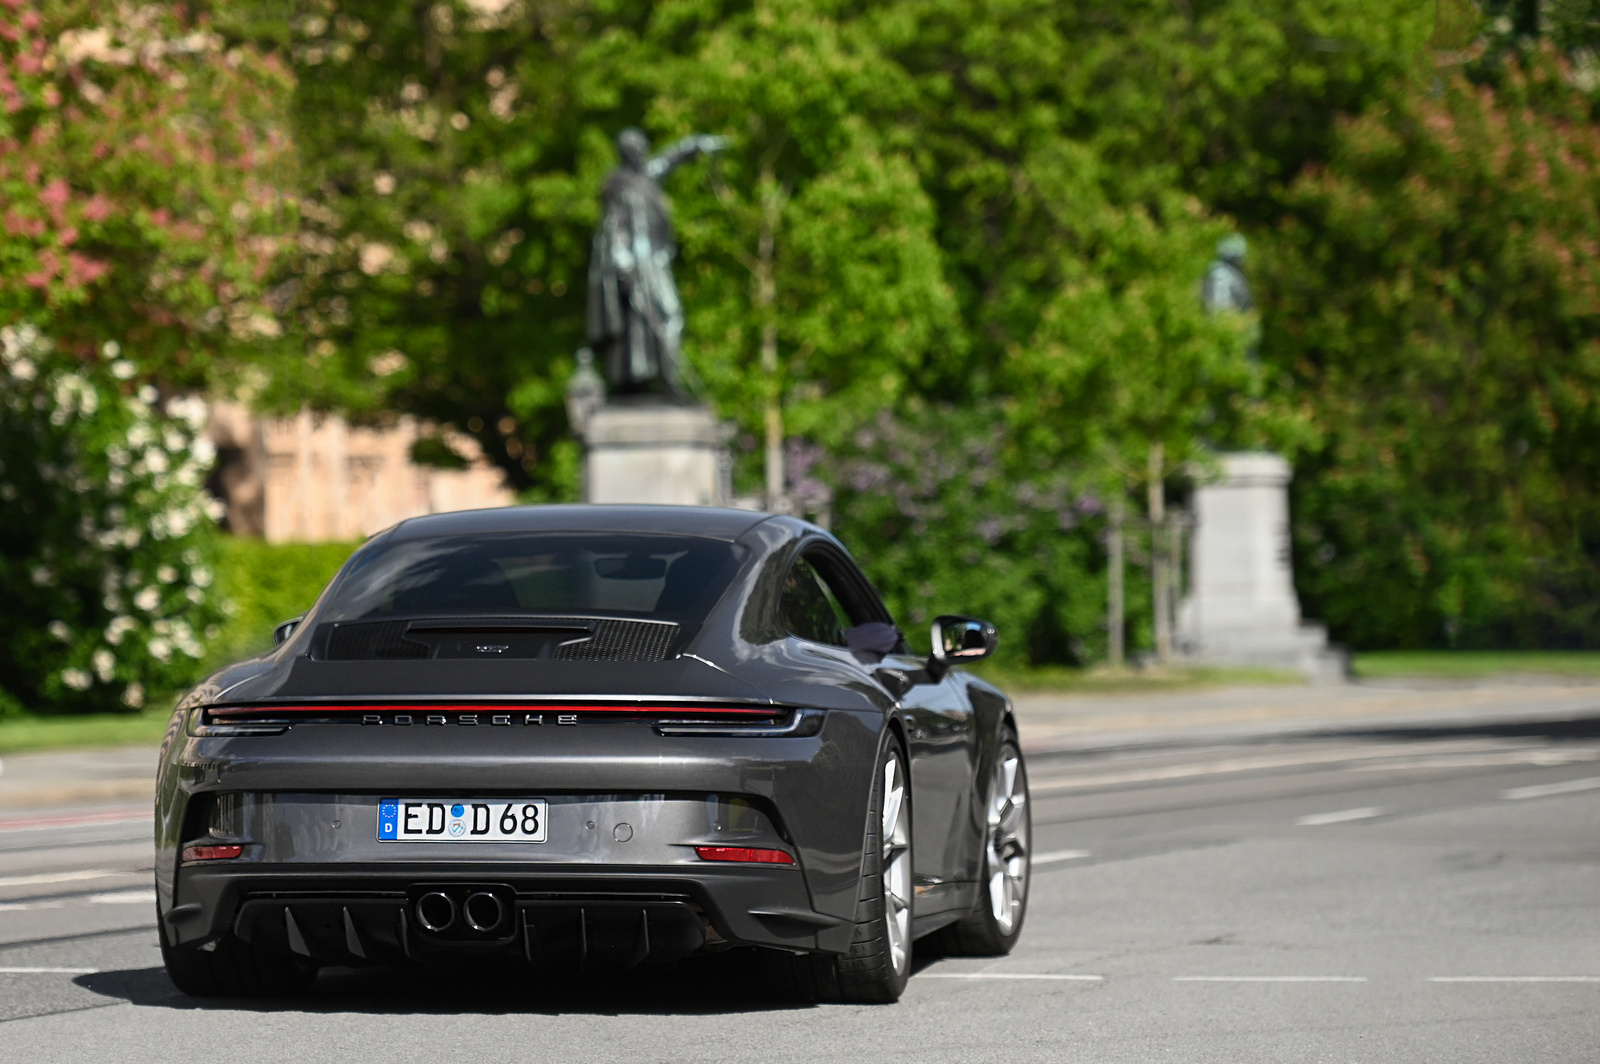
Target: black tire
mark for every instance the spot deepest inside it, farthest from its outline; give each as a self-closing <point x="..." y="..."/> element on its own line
<point x="235" y="969"/>
<point x="982" y="933"/>
<point x="878" y="965"/>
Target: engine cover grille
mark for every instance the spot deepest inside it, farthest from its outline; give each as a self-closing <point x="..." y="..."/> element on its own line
<point x="552" y="638"/>
<point x="616" y="640"/>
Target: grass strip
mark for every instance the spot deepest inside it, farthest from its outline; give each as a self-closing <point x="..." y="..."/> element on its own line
<point x="1475" y="664"/>
<point x="1100" y="679"/>
<point x="20" y="734"/>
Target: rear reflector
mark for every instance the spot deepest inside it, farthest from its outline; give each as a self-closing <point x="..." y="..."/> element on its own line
<point x="211" y="853"/>
<point x="742" y="853"/>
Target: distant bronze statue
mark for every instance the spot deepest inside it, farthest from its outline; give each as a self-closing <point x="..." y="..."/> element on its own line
<point x="635" y="319"/>
<point x="1226" y="287"/>
<point x="1226" y="290"/>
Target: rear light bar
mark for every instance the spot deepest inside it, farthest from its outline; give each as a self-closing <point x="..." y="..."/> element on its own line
<point x="423" y="709"/>
<point x="743" y="853"/>
<point x="211" y="853"/>
<point x="802" y="724"/>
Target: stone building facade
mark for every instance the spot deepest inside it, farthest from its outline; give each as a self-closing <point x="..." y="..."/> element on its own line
<point x="315" y="477"/>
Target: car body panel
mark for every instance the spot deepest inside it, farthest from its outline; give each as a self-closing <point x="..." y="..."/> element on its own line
<point x="611" y="763"/>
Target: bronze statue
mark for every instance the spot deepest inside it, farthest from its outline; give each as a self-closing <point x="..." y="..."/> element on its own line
<point x="635" y="318"/>
<point x="1226" y="290"/>
<point x="1226" y="287"/>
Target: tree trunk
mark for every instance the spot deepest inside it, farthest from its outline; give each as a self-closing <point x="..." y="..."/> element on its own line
<point x="1177" y="525"/>
<point x="1115" y="621"/>
<point x="1160" y="589"/>
<point x="776" y="500"/>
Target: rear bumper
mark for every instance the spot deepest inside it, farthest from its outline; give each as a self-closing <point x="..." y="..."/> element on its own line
<point x="308" y="798"/>
<point x="366" y="914"/>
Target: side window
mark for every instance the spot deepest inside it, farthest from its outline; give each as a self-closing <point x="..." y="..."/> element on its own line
<point x="808" y="608"/>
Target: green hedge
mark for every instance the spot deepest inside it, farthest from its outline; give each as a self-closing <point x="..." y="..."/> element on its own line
<point x="267" y="583"/>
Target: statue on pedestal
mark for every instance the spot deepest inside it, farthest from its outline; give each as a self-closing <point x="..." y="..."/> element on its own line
<point x="656" y="445"/>
<point x="1242" y="608"/>
<point x="635" y="318"/>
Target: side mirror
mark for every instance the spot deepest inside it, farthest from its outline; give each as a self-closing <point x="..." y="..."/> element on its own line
<point x="284" y="631"/>
<point x="960" y="639"/>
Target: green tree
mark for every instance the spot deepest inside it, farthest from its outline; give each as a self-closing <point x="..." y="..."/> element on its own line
<point x="140" y="166"/>
<point x="952" y="515"/>
<point x="1004" y="206"/>
<point x="453" y="156"/>
<point x="815" y="280"/>
<point x="1435" y="298"/>
<point x="458" y="157"/>
<point x="107" y="563"/>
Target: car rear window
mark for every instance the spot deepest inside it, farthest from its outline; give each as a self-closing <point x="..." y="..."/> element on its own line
<point x="661" y="577"/>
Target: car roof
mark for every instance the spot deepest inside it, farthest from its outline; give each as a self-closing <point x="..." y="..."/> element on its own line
<point x="705" y="521"/>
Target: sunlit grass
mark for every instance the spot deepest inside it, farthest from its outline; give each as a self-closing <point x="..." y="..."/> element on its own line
<point x="19" y="734"/>
<point x="1475" y="664"/>
<point x="1105" y="680"/>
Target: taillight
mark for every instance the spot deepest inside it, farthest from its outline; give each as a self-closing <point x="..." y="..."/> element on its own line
<point x="211" y="853"/>
<point x="743" y="853"/>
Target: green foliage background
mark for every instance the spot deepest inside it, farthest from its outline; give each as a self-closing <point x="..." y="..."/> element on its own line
<point x="993" y="215"/>
<point x="985" y="222"/>
<point x="988" y="222"/>
<point x="1436" y="296"/>
<point x="107" y="560"/>
<point x="267" y="583"/>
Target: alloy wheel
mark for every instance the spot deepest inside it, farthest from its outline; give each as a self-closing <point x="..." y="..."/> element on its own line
<point x="896" y="864"/>
<point x="1008" y="841"/>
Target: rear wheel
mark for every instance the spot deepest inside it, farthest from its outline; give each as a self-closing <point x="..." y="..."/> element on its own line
<point x="879" y="961"/>
<point x="991" y="929"/>
<point x="234" y="969"/>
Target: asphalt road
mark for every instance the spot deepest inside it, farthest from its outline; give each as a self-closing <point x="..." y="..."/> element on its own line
<point x="1428" y="895"/>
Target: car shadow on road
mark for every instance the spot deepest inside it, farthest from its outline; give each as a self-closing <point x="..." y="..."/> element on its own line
<point x="715" y="985"/>
<point x="1562" y="729"/>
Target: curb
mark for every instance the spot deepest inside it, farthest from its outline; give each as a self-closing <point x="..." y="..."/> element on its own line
<point x="1116" y="734"/>
<point x="96" y="792"/>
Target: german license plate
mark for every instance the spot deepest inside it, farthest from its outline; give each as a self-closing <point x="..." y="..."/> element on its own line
<point x="461" y="819"/>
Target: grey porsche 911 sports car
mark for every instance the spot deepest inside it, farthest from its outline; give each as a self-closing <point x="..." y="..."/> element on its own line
<point x="592" y="735"/>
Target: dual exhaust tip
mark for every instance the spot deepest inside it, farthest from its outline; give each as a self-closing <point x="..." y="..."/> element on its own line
<point x="438" y="912"/>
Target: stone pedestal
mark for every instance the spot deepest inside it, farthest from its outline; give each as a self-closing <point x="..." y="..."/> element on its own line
<point x="656" y="453"/>
<point x="1241" y="608"/>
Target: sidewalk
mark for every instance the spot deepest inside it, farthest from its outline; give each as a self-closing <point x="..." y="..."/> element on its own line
<point x="1052" y="723"/>
<point x="67" y="779"/>
<point x="42" y="783"/>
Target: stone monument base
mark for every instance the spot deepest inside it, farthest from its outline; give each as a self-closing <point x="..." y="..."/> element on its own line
<point x="656" y="452"/>
<point x="1242" y="609"/>
<point x="1303" y="648"/>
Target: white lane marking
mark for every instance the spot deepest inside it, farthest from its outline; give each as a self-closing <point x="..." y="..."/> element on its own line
<point x="1546" y="758"/>
<point x="123" y="897"/>
<point x="48" y="971"/>
<point x="55" y="877"/>
<point x="1544" y="789"/>
<point x="1514" y="979"/>
<point x="1269" y="979"/>
<point x="115" y="897"/>
<point x="1211" y="768"/>
<point x="1379" y="752"/>
<point x="1059" y="855"/>
<point x="1316" y="820"/>
<point x="1012" y="975"/>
